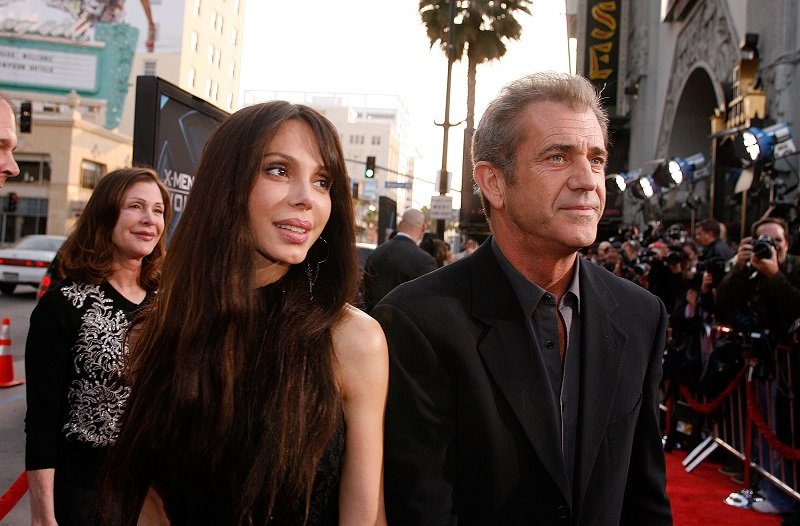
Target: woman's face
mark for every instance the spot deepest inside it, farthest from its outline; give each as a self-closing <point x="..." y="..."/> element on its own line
<point x="140" y="223"/>
<point x="290" y="202"/>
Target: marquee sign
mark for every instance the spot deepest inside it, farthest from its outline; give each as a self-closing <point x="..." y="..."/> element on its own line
<point x="602" y="47"/>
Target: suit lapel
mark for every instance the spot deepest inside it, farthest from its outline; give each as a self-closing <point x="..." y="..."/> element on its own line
<point x="602" y="341"/>
<point x="514" y="363"/>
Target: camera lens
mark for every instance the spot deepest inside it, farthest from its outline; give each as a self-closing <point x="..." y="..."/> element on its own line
<point x="762" y="248"/>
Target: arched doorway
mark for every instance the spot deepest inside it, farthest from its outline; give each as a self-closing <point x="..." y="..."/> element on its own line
<point x="690" y="134"/>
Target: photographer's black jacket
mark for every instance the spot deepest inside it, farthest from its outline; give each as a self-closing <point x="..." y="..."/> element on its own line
<point x="755" y="302"/>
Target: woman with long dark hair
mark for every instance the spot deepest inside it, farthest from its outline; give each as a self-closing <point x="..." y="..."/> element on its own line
<point x="259" y="391"/>
<point x="75" y="352"/>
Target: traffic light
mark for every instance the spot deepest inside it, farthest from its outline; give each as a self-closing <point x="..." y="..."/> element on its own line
<point x="13" y="199"/>
<point x="369" y="171"/>
<point x="25" y="114"/>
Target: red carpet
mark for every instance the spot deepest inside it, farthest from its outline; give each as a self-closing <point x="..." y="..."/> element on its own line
<point x="698" y="497"/>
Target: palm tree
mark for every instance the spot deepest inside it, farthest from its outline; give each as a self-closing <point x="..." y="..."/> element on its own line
<point x="484" y="27"/>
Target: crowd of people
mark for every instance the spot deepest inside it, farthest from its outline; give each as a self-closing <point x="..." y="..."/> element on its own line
<point x="750" y="289"/>
<point x="230" y="380"/>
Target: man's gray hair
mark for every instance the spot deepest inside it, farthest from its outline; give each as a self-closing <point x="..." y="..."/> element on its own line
<point x="501" y="130"/>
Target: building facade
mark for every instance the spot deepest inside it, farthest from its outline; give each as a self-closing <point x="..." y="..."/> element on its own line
<point x="687" y="77"/>
<point x="198" y="48"/>
<point x="76" y="64"/>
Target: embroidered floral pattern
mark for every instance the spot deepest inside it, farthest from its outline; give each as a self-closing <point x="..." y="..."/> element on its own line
<point x="97" y="397"/>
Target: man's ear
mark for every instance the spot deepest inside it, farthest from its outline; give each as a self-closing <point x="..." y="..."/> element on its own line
<point x="491" y="182"/>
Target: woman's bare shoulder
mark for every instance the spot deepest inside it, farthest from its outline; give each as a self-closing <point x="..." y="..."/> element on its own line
<point x="356" y="330"/>
<point x="360" y="345"/>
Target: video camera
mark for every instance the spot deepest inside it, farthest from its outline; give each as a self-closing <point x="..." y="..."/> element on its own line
<point x="751" y="345"/>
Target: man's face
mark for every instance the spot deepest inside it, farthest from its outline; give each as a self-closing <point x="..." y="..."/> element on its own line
<point x="703" y="237"/>
<point x="558" y="193"/>
<point x="775" y="231"/>
<point x="8" y="143"/>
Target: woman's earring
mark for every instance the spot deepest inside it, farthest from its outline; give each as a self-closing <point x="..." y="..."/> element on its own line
<point x="312" y="275"/>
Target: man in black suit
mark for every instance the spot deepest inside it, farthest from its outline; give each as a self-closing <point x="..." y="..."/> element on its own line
<point x="397" y="260"/>
<point x="524" y="381"/>
<point x="707" y="234"/>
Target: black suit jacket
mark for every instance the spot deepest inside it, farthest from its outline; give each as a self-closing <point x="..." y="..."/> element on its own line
<point x="471" y="434"/>
<point x="394" y="262"/>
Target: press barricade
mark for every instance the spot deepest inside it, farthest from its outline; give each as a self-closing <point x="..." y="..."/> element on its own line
<point x="752" y="414"/>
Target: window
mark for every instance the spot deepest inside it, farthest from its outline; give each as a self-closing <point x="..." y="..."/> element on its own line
<point x="376" y="140"/>
<point x="213" y="19"/>
<point x="234" y="36"/>
<point x="214" y="91"/>
<point x="193" y="43"/>
<point x="91" y="172"/>
<point x="235" y="7"/>
<point x="33" y="171"/>
<point x="149" y="68"/>
<point x="197" y="7"/>
<point x="217" y="56"/>
<point x="191" y="77"/>
<point x="211" y="54"/>
<point x="208" y="88"/>
<point x="229" y="100"/>
<point x="231" y="69"/>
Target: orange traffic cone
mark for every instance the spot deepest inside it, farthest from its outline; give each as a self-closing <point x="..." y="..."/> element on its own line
<point x="6" y="359"/>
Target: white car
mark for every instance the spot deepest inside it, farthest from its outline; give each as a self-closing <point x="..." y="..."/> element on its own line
<point x="26" y="262"/>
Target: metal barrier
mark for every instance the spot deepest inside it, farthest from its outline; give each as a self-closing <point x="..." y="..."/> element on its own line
<point x="754" y="418"/>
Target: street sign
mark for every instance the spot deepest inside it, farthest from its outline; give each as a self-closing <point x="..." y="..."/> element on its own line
<point x="370" y="191"/>
<point x="441" y="207"/>
<point x="398" y="184"/>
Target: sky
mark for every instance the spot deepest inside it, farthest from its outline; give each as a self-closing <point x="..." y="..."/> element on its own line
<point x="380" y="47"/>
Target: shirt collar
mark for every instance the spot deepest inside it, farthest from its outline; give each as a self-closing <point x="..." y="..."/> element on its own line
<point x="529" y="294"/>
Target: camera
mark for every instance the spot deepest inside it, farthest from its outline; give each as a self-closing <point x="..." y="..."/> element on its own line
<point x="761" y="247"/>
<point x="715" y="266"/>
<point x="675" y="257"/>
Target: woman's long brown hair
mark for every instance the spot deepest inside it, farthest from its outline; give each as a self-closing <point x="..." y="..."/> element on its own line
<point x="234" y="395"/>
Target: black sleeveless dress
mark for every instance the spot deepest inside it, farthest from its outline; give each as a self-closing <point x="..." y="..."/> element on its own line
<point x="324" y="508"/>
<point x="325" y="497"/>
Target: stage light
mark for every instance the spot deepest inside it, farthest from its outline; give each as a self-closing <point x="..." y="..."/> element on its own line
<point x="644" y="187"/>
<point x="619" y="182"/>
<point x="668" y="174"/>
<point x="615" y="184"/>
<point x="764" y="144"/>
<point x="676" y="170"/>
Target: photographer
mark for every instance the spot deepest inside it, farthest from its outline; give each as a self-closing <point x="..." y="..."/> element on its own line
<point x="707" y="234"/>
<point x="763" y="287"/>
<point x="761" y="294"/>
<point x="628" y="265"/>
<point x="665" y="278"/>
<point x="689" y="348"/>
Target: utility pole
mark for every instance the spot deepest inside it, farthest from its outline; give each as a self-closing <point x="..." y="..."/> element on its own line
<point x="446" y="124"/>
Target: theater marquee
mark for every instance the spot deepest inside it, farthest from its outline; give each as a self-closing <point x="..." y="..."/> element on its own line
<point x="602" y="47"/>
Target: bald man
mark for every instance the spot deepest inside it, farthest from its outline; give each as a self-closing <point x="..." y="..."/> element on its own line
<point x="8" y="142"/>
<point x="397" y="260"/>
